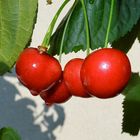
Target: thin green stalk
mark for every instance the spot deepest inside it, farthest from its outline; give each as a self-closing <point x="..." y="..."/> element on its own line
<point x="109" y="23"/>
<point x="64" y="32"/>
<point x="47" y="37"/>
<point x="62" y="41"/>
<point x="87" y="27"/>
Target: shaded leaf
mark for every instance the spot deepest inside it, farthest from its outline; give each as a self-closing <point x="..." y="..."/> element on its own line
<point x="139" y="36"/>
<point x="134" y="80"/>
<point x="17" y="18"/>
<point x="77" y="48"/>
<point x="125" y="16"/>
<point x="8" y="133"/>
<point x="131" y="106"/>
<point x="126" y="42"/>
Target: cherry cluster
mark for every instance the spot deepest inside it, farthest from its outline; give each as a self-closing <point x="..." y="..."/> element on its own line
<point x="104" y="73"/>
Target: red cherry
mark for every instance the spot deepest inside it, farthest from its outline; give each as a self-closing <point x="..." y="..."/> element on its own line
<point x="72" y="78"/>
<point x="56" y="94"/>
<point x="106" y="72"/>
<point x="36" y="70"/>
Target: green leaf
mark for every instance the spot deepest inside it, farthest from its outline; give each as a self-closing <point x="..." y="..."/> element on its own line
<point x="17" y="19"/>
<point x="125" y="16"/>
<point x="125" y="43"/>
<point x="8" y="133"/>
<point x="131" y="106"/>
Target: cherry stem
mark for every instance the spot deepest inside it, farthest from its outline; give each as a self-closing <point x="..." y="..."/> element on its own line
<point x="62" y="41"/>
<point x="64" y="32"/>
<point x="47" y="37"/>
<point x="87" y="26"/>
<point x="109" y="23"/>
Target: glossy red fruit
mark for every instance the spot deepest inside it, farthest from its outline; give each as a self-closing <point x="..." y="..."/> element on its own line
<point x="58" y="93"/>
<point x="37" y="71"/>
<point x="106" y="72"/>
<point x="72" y="78"/>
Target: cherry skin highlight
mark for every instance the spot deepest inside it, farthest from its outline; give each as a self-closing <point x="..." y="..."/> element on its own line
<point x="106" y="72"/>
<point x="37" y="70"/>
<point x="58" y="93"/>
<point x="72" y="78"/>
